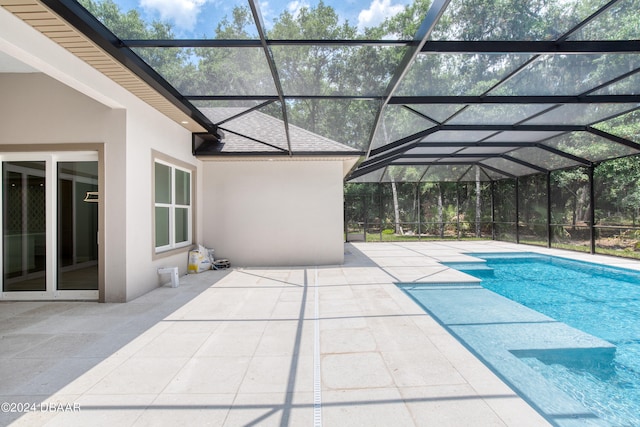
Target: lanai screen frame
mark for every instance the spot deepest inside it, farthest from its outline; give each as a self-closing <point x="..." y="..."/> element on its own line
<point x="516" y="222"/>
<point x="432" y="143"/>
<point x="507" y="131"/>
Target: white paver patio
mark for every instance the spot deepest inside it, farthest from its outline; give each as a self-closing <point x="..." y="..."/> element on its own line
<point x="238" y="347"/>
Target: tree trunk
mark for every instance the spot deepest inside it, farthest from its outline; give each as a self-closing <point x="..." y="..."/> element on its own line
<point x="396" y="208"/>
<point x="582" y="204"/>
<point x="574" y="214"/>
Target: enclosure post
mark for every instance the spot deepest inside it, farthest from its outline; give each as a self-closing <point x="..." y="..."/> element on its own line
<point x="549" y="230"/>
<point x="592" y="210"/>
<point x="458" y="209"/>
<point x="419" y="203"/>
<point x="517" y="187"/>
<point x="493" y="210"/>
<point x="380" y="211"/>
<point x="365" y="223"/>
<point x="344" y="218"/>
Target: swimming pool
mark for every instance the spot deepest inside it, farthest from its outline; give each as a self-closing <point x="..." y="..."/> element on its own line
<point x="603" y="302"/>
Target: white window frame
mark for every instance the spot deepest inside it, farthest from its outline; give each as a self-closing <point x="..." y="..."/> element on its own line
<point x="172" y="209"/>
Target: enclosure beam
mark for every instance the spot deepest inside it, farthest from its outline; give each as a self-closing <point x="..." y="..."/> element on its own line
<point x="592" y="210"/>
<point x="541" y="47"/>
<point x="546" y="47"/>
<point x="403" y="144"/>
<point x="260" y="26"/>
<point x="523" y="163"/>
<point x="515" y="99"/>
<point x="247" y="111"/>
<point x="577" y="159"/>
<point x="613" y="138"/>
<point x="429" y="22"/>
<point x="72" y="12"/>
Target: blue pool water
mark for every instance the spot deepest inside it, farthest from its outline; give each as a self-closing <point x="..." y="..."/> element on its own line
<point x="599" y="300"/>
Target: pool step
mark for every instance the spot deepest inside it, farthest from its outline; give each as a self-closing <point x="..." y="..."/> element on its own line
<point x="478" y="269"/>
<point x="593" y="359"/>
<point x="504" y="334"/>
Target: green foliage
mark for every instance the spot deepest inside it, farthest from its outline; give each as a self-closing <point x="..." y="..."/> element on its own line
<point x="328" y="70"/>
<point x="618" y="187"/>
<point x="172" y="63"/>
<point x="626" y="126"/>
<point x="236" y="28"/>
<point x="126" y="25"/>
<point x="365" y="71"/>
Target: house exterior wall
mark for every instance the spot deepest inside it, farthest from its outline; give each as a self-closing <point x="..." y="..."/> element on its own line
<point x="64" y="119"/>
<point x="274" y="213"/>
<point x="252" y="211"/>
<point x="148" y="131"/>
<point x="68" y="102"/>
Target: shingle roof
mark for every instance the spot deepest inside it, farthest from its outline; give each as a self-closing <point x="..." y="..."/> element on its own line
<point x="259" y="132"/>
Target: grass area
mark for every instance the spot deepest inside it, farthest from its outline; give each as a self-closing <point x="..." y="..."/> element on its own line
<point x="570" y="247"/>
<point x="624" y="253"/>
<point x="619" y="253"/>
<point x="627" y="252"/>
<point x="376" y="237"/>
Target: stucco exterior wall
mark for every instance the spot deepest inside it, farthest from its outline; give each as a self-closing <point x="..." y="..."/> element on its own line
<point x="274" y="213"/>
<point x="253" y="211"/>
<point x="37" y="109"/>
<point x="149" y="131"/>
<point x="69" y="102"/>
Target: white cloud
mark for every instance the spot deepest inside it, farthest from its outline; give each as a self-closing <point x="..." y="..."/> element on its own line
<point x="295" y="6"/>
<point x="378" y="11"/>
<point x="265" y="8"/>
<point x="182" y="13"/>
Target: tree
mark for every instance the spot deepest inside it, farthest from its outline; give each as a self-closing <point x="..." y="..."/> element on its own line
<point x="325" y="70"/>
<point x="618" y="188"/>
<point x="331" y="70"/>
<point x="171" y="63"/>
<point x="576" y="183"/>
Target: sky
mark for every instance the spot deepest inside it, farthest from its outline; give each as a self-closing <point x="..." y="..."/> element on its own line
<point x="196" y="18"/>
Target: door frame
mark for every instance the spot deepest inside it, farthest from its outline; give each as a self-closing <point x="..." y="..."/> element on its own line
<point x="51" y="154"/>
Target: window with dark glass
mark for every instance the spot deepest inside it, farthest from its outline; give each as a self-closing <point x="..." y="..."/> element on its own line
<point x="172" y="206"/>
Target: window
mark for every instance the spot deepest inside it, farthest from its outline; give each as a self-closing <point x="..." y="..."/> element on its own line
<point x="172" y="204"/>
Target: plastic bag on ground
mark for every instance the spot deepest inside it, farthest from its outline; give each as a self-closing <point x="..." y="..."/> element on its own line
<point x="199" y="260"/>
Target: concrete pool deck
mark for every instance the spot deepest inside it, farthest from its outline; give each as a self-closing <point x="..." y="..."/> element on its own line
<point x="330" y="345"/>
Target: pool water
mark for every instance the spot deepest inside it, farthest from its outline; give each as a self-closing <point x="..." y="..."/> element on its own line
<point x="599" y="300"/>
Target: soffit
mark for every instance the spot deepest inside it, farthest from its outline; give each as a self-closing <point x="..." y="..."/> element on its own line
<point x="57" y="29"/>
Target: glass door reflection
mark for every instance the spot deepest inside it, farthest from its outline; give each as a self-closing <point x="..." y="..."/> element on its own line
<point x="77" y="226"/>
<point x="24" y="226"/>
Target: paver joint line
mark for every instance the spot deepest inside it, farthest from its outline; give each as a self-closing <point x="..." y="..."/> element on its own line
<point x="317" y="386"/>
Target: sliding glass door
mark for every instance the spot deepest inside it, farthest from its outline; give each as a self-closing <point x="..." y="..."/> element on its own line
<point x="50" y="225"/>
<point x="23" y="224"/>
<point x="77" y="226"/>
